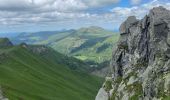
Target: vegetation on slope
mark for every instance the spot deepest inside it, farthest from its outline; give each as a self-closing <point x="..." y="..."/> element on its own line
<point x="28" y="76"/>
<point x="87" y="44"/>
<point x="99" y="52"/>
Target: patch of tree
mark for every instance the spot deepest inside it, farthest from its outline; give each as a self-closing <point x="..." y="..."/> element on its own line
<point x="102" y="48"/>
<point x="74" y="64"/>
<point x="88" y="43"/>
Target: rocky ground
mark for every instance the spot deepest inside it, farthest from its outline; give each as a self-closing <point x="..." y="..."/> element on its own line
<point x="1" y="95"/>
<point x="141" y="61"/>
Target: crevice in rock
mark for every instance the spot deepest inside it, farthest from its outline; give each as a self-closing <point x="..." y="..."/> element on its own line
<point x="119" y="63"/>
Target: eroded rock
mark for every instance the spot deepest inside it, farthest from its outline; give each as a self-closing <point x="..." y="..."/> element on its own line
<point x="102" y="95"/>
<point x="141" y="62"/>
<point x="1" y="95"/>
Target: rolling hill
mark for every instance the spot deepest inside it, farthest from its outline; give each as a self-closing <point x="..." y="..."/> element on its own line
<point x="40" y="73"/>
<point x="91" y="44"/>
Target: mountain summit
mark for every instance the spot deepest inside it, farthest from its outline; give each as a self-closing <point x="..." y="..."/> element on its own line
<point x="4" y="42"/>
<point x="141" y="61"/>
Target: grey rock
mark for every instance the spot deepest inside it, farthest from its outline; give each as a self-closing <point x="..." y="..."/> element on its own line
<point x="131" y="20"/>
<point x="141" y="62"/>
<point x="102" y="95"/>
<point x="131" y="80"/>
<point x="1" y="95"/>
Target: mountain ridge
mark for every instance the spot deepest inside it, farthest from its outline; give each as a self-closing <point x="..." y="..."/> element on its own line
<point x="141" y="61"/>
<point x="93" y="45"/>
<point x="40" y="73"/>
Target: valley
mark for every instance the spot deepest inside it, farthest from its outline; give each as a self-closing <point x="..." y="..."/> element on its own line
<point x="93" y="45"/>
<point x="40" y="73"/>
<point x="88" y="44"/>
<point x="84" y="49"/>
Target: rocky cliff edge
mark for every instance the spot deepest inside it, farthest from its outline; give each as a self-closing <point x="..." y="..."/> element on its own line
<point x="141" y="61"/>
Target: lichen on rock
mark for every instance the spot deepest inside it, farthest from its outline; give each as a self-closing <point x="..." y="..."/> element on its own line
<point x="2" y="96"/>
<point x="141" y="62"/>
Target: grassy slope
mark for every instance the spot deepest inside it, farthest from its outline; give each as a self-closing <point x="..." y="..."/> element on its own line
<point x="84" y="41"/>
<point x="91" y="53"/>
<point x="24" y="75"/>
<point x="87" y="41"/>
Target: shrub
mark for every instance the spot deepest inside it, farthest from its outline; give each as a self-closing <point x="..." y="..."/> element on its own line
<point x="108" y="85"/>
<point x="123" y="46"/>
<point x="118" y="80"/>
<point x="137" y="88"/>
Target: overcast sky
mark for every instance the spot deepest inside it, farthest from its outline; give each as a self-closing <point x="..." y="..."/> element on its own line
<point x="46" y="15"/>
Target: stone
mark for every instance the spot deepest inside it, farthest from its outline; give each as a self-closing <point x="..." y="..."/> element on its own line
<point x="102" y="95"/>
<point x="129" y="22"/>
<point x="1" y="95"/>
<point x="141" y="61"/>
<point x="131" y="80"/>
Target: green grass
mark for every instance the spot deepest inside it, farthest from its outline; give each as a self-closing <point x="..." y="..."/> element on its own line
<point x="89" y="44"/>
<point x="26" y="76"/>
<point x="108" y="85"/>
<point x="137" y="87"/>
<point x="81" y="57"/>
<point x="91" y="52"/>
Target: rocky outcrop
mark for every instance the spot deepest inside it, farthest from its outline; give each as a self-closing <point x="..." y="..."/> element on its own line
<point x="37" y="49"/>
<point x="102" y="95"/>
<point x="141" y="61"/>
<point x="4" y="42"/>
<point x="1" y="95"/>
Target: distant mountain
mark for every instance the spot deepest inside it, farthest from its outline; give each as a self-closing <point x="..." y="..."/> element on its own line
<point x="35" y="38"/>
<point x="89" y="44"/>
<point x="36" y="72"/>
<point x="4" y="42"/>
<point x="9" y="35"/>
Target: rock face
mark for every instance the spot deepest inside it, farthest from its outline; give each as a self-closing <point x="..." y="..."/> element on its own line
<point x="4" y="42"/>
<point x="102" y="95"/>
<point x="1" y="95"/>
<point x="141" y="62"/>
<point x="37" y="49"/>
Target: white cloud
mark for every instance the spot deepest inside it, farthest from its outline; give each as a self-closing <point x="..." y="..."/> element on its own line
<point x="47" y="11"/>
<point x="58" y="5"/>
<point x="99" y="3"/>
<point x="135" y="2"/>
<point x="139" y="11"/>
<point x="68" y="13"/>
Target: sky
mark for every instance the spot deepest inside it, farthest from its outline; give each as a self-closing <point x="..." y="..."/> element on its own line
<point x="50" y="15"/>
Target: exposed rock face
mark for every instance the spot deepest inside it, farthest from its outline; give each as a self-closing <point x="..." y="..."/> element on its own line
<point x="1" y="95"/>
<point x="141" y="62"/>
<point x="102" y="95"/>
<point x="37" y="49"/>
<point x="4" y="42"/>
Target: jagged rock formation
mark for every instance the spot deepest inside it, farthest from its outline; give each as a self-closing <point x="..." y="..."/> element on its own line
<point x="4" y="42"/>
<point x="102" y="95"/>
<point x="141" y="61"/>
